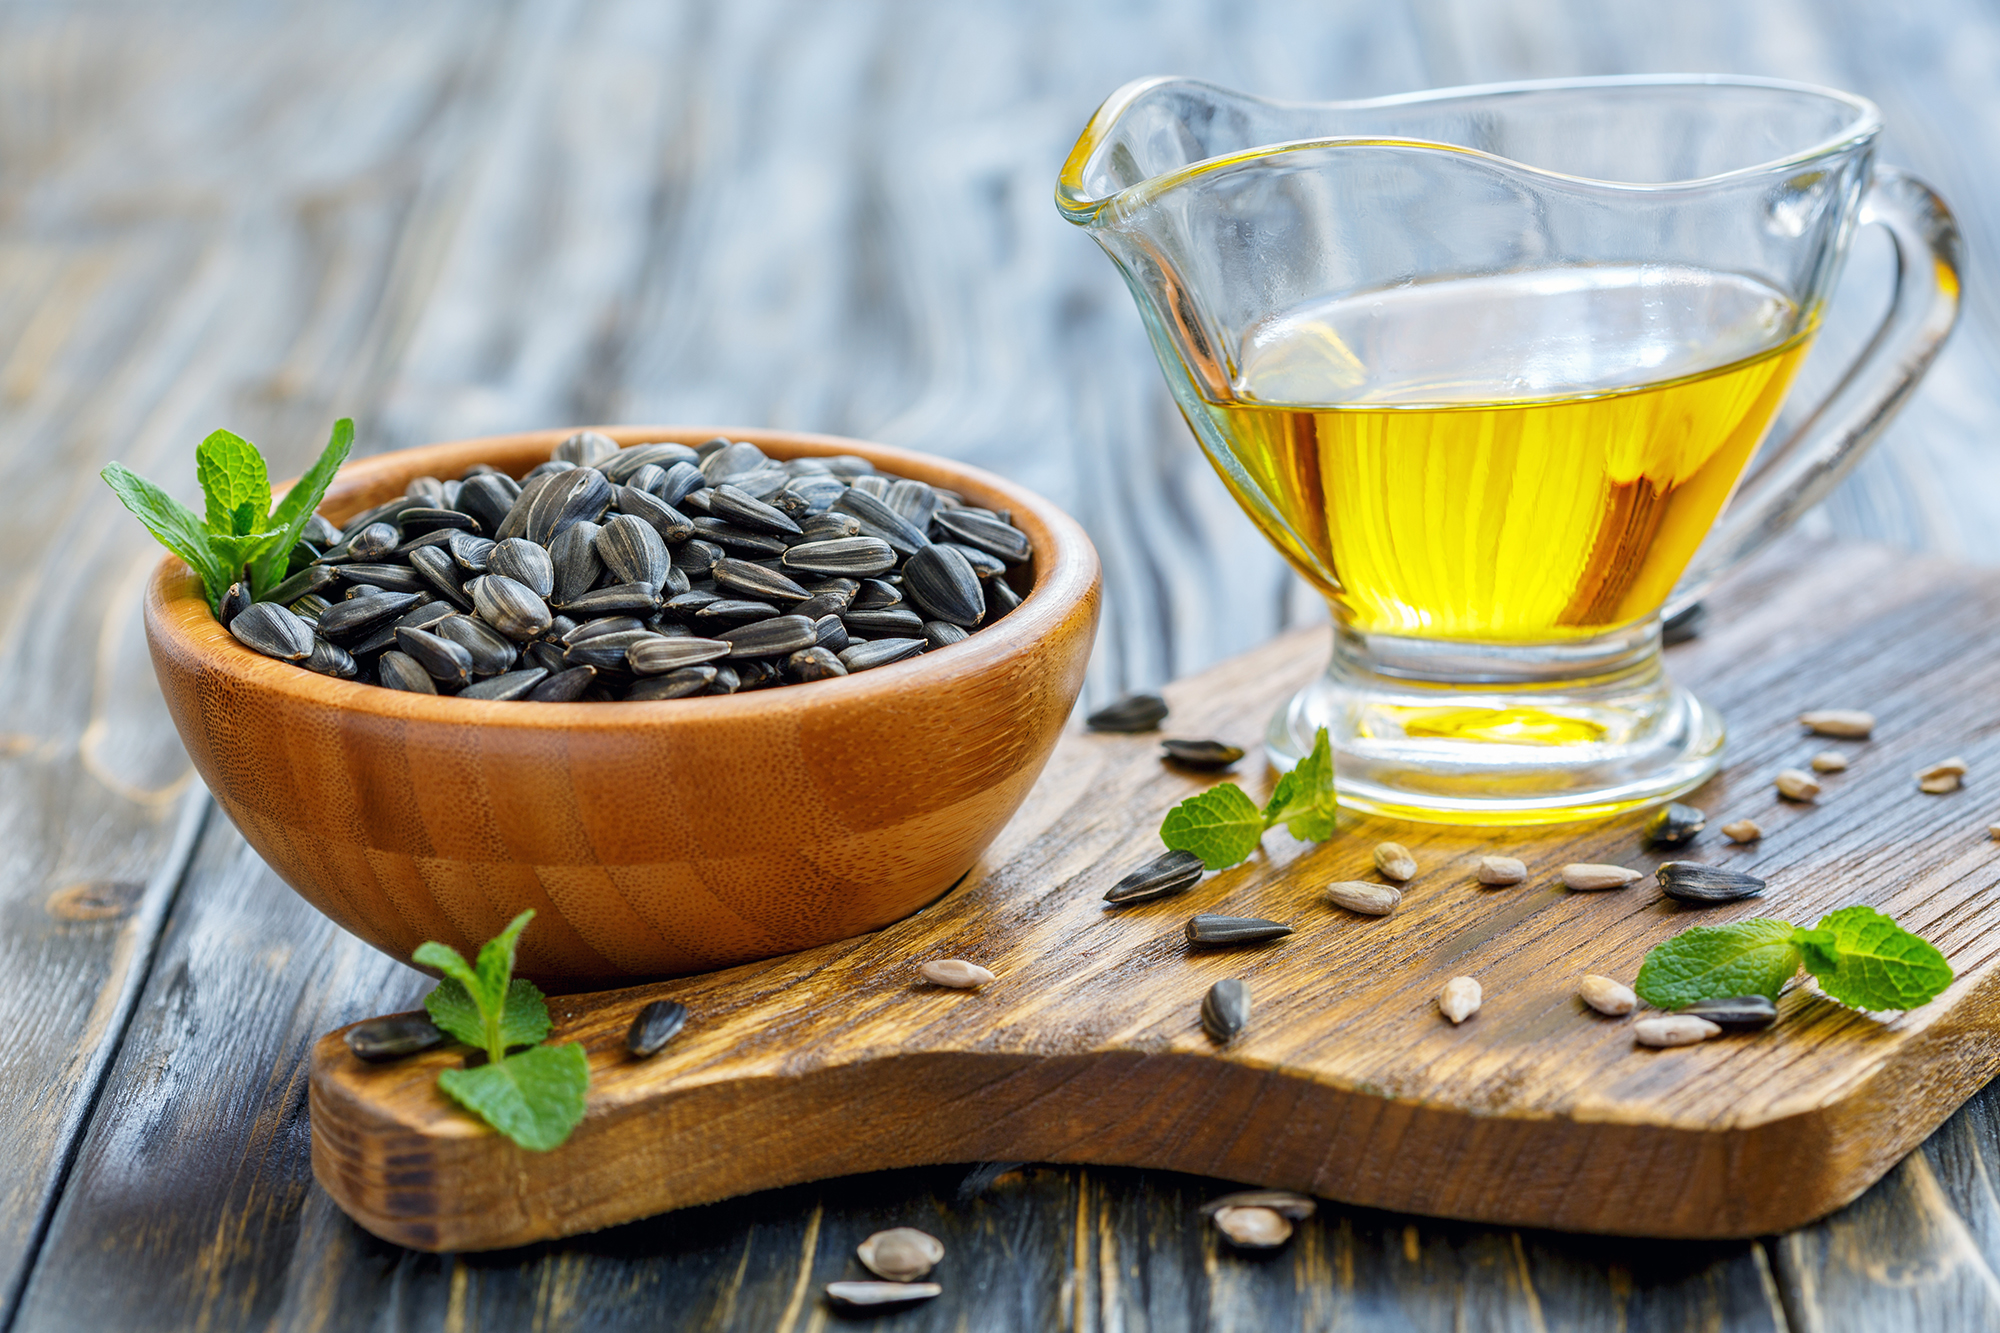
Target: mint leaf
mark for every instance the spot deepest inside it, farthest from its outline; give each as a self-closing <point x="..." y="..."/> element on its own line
<point x="525" y="1022"/>
<point x="496" y="959"/>
<point x="450" y="962"/>
<point x="235" y="482"/>
<point x="1863" y="959"/>
<point x="1221" y="826"/>
<point x="293" y="512"/>
<point x="488" y="989"/>
<point x="534" y="1098"/>
<point x="177" y="527"/>
<point x="1754" y="957"/>
<point x="1303" y="800"/>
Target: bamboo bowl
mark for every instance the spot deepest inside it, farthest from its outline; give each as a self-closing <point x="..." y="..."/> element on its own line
<point x="652" y="839"/>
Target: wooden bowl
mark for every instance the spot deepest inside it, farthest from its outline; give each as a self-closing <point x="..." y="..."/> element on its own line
<point x="650" y="838"/>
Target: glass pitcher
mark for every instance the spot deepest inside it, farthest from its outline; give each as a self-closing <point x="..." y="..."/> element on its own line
<point x="1486" y="364"/>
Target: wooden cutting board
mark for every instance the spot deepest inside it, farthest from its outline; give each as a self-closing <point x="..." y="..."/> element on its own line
<point x="1348" y="1084"/>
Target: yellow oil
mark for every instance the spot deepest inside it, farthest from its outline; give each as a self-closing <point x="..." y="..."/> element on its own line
<point x="1522" y="458"/>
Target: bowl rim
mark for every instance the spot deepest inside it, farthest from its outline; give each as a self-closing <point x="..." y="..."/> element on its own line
<point x="1066" y="578"/>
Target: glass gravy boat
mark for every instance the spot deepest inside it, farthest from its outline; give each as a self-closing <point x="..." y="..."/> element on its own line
<point x="1486" y="365"/>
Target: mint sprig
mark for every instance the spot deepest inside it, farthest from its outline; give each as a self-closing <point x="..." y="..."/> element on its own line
<point x="241" y="530"/>
<point x="535" y="1096"/>
<point x="1223" y="825"/>
<point x="1860" y="957"/>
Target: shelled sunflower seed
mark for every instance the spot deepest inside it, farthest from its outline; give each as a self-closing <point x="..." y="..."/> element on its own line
<point x="654" y="571"/>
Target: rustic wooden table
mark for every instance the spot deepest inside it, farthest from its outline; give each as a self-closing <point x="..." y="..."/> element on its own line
<point x="450" y="218"/>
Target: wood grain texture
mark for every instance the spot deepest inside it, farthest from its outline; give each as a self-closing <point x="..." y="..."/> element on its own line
<point x="1347" y="1083"/>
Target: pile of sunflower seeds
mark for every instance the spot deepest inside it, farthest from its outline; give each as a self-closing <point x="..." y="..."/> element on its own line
<point x="655" y="571"/>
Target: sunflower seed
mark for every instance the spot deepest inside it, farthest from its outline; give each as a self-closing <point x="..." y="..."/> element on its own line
<point x="320" y="532"/>
<point x="393" y="578"/>
<point x="1674" y="1030"/>
<point x="865" y="1295"/>
<point x="697" y="557"/>
<point x="654" y="1026"/>
<point x="470" y="553"/>
<point x="633" y="552"/>
<point x="1674" y="826"/>
<point x="310" y="607"/>
<point x="1135" y="712"/>
<point x="1253" y="1228"/>
<point x="348" y="621"/>
<point x="854" y="557"/>
<point x="400" y="671"/>
<point x="674" y="684"/>
<point x="721" y="458"/>
<point x="874" y="595"/>
<point x="988" y="533"/>
<point x="1173" y="872"/>
<point x="492" y="652"/>
<point x="1207" y="756"/>
<point x="578" y="496"/>
<point x="776" y="637"/>
<point x="654" y="655"/>
<point x="943" y="585"/>
<point x="955" y="974"/>
<point x="436" y="567"/>
<point x="900" y="1254"/>
<point x="330" y="660"/>
<point x="742" y="541"/>
<point x="392" y="1038"/>
<point x="607" y="651"/>
<point x="1743" y="830"/>
<point x="984" y="563"/>
<point x="1498" y="870"/>
<point x="756" y="582"/>
<point x="833" y="598"/>
<point x="1607" y="996"/>
<point x="373" y="542"/>
<point x="1586" y="878"/>
<point x="1364" y="896"/>
<point x="546" y="655"/>
<point x="1847" y="723"/>
<point x="1942" y="777"/>
<point x="417" y="522"/>
<point x="1394" y="861"/>
<point x="616" y="600"/>
<point x="1692" y="882"/>
<point x="270" y="629"/>
<point x="564" y="686"/>
<point x="1797" y="785"/>
<point x="507" y="685"/>
<point x="732" y="611"/>
<point x="829" y="527"/>
<point x="1208" y="928"/>
<point x="526" y="563"/>
<point x="1739" y="1011"/>
<point x="488" y="498"/>
<point x="586" y="448"/>
<point x="447" y="662"/>
<point x="510" y="607"/>
<point x="591" y="629"/>
<point x="937" y="633"/>
<point x="523" y="508"/>
<point x="878" y="520"/>
<point x="418" y="543"/>
<point x="817" y="663"/>
<point x="1225" y="1010"/>
<point x="672" y="525"/>
<point x="892" y="621"/>
<point x="558" y="466"/>
<point x="1000" y="598"/>
<point x="682" y="480"/>
<point x="621" y="466"/>
<point x="878" y="652"/>
<point x="1460" y="999"/>
<point x="233" y="601"/>
<point x="809" y="497"/>
<point x="733" y="505"/>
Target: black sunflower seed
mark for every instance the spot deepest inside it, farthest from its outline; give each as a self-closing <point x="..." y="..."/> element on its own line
<point x="621" y="466"/>
<point x="830" y="526"/>
<point x="510" y="607"/>
<point x="415" y="522"/>
<point x="654" y="1026"/>
<point x="524" y="562"/>
<point x="988" y="533"/>
<point x="586" y="448"/>
<point x="508" y="685"/>
<point x="1210" y="929"/>
<point x="1225" y="1010"/>
<point x="829" y="632"/>
<point x="1692" y="882"/>
<point x="373" y="542"/>
<point x="1208" y="756"/>
<point x="349" y="621"/>
<point x="446" y="661"/>
<point x="400" y="671"/>
<point x="633" y="551"/>
<point x="1135" y="712"/>
<point x="732" y="504"/>
<point x="878" y="520"/>
<point x="618" y="599"/>
<point x="851" y="557"/>
<point x="492" y="652"/>
<point x="318" y="578"/>
<point x="756" y="582"/>
<point x="878" y="652"/>
<point x="732" y="611"/>
<point x="330" y="659"/>
<point x="393" y="1037"/>
<point x="672" y="525"/>
<point x="775" y="637"/>
<point x="675" y="684"/>
<point x="655" y="655"/>
<point x="523" y="508"/>
<point x="394" y="578"/>
<point x="682" y="480"/>
<point x="944" y="586"/>
<point x="274" y="631"/>
<point x="578" y="496"/>
<point x="1739" y="1011"/>
<point x="1674" y="826"/>
<point x="892" y="620"/>
<point x="942" y="633"/>
<point x="813" y="664"/>
<point x="565" y="686"/>
<point x="739" y="539"/>
<point x="435" y="567"/>
<point x="233" y="601"/>
<point x="487" y="498"/>
<point x="1171" y="873"/>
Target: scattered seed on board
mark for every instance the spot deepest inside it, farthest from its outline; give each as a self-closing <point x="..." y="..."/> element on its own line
<point x="1135" y="712"/>
<point x="1499" y="870"/>
<point x="1253" y="1228"/>
<point x="1741" y="1011"/>
<point x="1211" y="929"/>
<point x="1829" y="761"/>
<point x="1297" y="1207"/>
<point x="1673" y="1030"/>
<point x="1587" y="878"/>
<point x="1460" y="999"/>
<point x="1942" y="777"/>
<point x="900" y="1254"/>
<point x="1743" y="830"/>
<point x="393" y="1037"/>
<point x="1607" y="996"/>
<point x="1846" y="723"/>
<point x="1393" y="859"/>
<point x="1795" y="784"/>
<point x="1365" y="897"/>
<point x="1225" y="1010"/>
<point x="1692" y="882"/>
<point x="1167" y="874"/>
<point x="864" y="1295"/>
<point x="1208" y="756"/>
<point x="955" y="973"/>
<point x="654" y="1026"/>
<point x="1675" y="826"/>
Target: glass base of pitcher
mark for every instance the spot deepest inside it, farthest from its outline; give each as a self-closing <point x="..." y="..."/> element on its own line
<point x="1455" y="733"/>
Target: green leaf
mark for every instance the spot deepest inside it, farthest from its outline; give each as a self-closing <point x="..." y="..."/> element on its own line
<point x="1866" y="961"/>
<point x="1303" y="800"/>
<point x="296" y="509"/>
<point x="525" y="1022"/>
<point x="1754" y="957"/>
<point x="534" y="1098"/>
<point x="1221" y="826"/>
<point x="177" y="527"/>
<point x="496" y="958"/>
<point x="234" y="480"/>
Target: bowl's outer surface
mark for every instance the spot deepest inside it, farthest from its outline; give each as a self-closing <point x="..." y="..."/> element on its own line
<point x="651" y="838"/>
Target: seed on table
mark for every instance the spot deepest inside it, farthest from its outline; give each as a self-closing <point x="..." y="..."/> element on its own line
<point x="1942" y="777"/>
<point x="1673" y="1030"/>
<point x="1798" y="785"/>
<point x="1460" y="999"/>
<point x="1675" y="825"/>
<point x="1741" y="1011"/>
<point x="900" y="1254"/>
<point x="1607" y="996"/>
<point x="507" y="685"/>
<point x="1498" y="870"/>
<point x="654" y="1026"/>
<point x="1743" y="830"/>
<point x="1297" y="1207"/>
<point x="274" y="631"/>
<point x="1208" y="756"/>
<point x="1135" y="712"/>
<point x="400" y="671"/>
<point x="1225" y="1010"/>
<point x="955" y="973"/>
<point x="865" y="1295"/>
<point x="1209" y="928"/>
<point x="1393" y="859"/>
<point x="1170" y="873"/>
<point x="1587" y="878"/>
<point x="1692" y="882"/>
<point x="1829" y="761"/>
<point x="1847" y="723"/>
<point x="1253" y="1228"/>
<point x="392" y="1038"/>
<point x="1364" y="896"/>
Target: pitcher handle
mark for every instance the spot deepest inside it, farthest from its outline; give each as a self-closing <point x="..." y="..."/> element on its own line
<point x="1798" y="473"/>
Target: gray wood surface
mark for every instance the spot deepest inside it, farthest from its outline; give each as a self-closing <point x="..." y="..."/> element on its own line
<point x="452" y="217"/>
